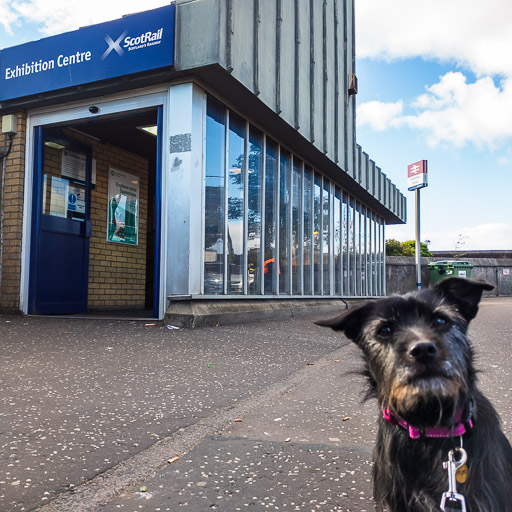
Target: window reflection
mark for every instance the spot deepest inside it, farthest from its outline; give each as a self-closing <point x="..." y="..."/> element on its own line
<point x="317" y="232"/>
<point x="357" y="249"/>
<point x="351" y="247"/>
<point x="254" y="212"/>
<point x="345" y="244"/>
<point x="308" y="230"/>
<point x="326" y="239"/>
<point x="274" y="225"/>
<point x="296" y="227"/>
<point x="214" y="199"/>
<point x="284" y="221"/>
<point x="236" y="173"/>
<point x="337" y="241"/>
<point x="269" y="263"/>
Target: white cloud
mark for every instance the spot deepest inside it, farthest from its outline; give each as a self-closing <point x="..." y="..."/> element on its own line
<point x="490" y="236"/>
<point x="473" y="33"/>
<point x="379" y="115"/>
<point x="452" y="111"/>
<point x="8" y="16"/>
<point x="469" y="33"/>
<point x="57" y="16"/>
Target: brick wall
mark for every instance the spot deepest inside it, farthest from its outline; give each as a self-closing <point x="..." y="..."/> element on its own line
<point x="117" y="272"/>
<point x="11" y="218"/>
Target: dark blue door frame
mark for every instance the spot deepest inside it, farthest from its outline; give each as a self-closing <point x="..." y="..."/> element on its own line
<point x="43" y="224"/>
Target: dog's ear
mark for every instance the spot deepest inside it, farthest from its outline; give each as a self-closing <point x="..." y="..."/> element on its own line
<point x="464" y="293"/>
<point x="350" y="322"/>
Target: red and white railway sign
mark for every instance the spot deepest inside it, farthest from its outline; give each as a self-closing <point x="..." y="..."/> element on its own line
<point x="417" y="175"/>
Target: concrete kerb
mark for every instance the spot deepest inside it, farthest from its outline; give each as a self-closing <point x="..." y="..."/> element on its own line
<point x="202" y="313"/>
<point x="129" y="473"/>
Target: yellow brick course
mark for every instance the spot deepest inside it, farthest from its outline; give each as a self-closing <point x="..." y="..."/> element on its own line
<point x="117" y="272"/>
<point x="12" y="223"/>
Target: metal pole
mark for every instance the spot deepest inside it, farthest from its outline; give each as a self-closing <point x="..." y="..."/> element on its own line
<point x="418" y="246"/>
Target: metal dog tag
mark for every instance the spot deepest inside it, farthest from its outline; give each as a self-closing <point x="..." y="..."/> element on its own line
<point x="452" y="500"/>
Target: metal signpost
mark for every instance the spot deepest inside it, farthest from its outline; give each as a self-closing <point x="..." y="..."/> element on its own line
<point x="417" y="179"/>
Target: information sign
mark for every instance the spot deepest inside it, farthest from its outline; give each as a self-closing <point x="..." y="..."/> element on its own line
<point x="417" y="175"/>
<point x="123" y="207"/>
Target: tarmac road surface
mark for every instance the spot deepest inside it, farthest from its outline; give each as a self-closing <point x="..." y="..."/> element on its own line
<point x="111" y="415"/>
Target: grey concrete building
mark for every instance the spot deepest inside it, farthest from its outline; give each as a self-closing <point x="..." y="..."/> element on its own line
<point x="197" y="153"/>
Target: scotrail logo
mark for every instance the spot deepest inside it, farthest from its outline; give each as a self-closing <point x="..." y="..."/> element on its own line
<point x="132" y="43"/>
<point x="114" y="45"/>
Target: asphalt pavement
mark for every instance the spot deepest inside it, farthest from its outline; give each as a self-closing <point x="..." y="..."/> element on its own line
<point x="100" y="415"/>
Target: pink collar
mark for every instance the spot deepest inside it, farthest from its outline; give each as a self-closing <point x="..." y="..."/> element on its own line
<point x="416" y="433"/>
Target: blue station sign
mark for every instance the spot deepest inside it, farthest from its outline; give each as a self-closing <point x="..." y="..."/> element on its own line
<point x="135" y="43"/>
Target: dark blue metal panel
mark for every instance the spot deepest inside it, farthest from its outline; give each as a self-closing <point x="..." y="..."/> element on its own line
<point x="158" y="213"/>
<point x="132" y="44"/>
<point x="61" y="283"/>
<point x="60" y="245"/>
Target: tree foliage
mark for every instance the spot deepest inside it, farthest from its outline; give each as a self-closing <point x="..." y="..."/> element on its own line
<point x="408" y="248"/>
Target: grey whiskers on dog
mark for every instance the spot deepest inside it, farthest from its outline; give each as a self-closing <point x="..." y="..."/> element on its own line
<point x="419" y="365"/>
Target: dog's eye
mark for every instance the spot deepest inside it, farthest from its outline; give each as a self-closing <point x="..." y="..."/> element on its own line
<point x="440" y="321"/>
<point x="385" y="331"/>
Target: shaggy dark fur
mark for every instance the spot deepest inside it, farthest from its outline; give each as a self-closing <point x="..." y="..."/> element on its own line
<point x="419" y="364"/>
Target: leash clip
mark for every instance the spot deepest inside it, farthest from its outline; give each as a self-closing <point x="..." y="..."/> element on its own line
<point x="452" y="500"/>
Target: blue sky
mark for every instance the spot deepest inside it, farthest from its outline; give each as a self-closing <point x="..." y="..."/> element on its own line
<point x="435" y="83"/>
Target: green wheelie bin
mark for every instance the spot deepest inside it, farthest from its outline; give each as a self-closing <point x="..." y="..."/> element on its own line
<point x="453" y="268"/>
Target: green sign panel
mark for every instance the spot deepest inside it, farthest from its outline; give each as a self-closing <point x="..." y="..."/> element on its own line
<point x="123" y="207"/>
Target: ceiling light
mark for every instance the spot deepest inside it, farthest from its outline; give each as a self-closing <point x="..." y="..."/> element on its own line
<point x="54" y="145"/>
<point x="151" y="129"/>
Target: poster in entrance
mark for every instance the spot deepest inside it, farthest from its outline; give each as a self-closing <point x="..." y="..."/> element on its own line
<point x="123" y="207"/>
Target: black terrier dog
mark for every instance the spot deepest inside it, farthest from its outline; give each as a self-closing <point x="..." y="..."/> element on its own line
<point x="419" y="364"/>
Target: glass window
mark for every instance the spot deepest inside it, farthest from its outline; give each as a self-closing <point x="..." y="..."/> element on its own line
<point x="274" y="225"/>
<point x="308" y="231"/>
<point x="236" y="171"/>
<point x="382" y="265"/>
<point x="64" y="192"/>
<point x="357" y="248"/>
<point x="296" y="227"/>
<point x="378" y="256"/>
<point x="337" y="241"/>
<point x="362" y="245"/>
<point x="365" y="249"/>
<point x="284" y="221"/>
<point x="374" y="256"/>
<point x="345" y="244"/>
<point x="214" y="198"/>
<point x="351" y="246"/>
<point x="269" y="263"/>
<point x="371" y="288"/>
<point x="326" y="238"/>
<point x="317" y="227"/>
<point x="254" y="180"/>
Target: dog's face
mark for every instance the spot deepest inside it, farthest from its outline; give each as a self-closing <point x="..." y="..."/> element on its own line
<point x="419" y="360"/>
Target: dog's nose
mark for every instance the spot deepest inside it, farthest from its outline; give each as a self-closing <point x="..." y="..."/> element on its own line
<point x="423" y="351"/>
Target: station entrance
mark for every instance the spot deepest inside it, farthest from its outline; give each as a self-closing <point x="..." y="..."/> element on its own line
<point x="95" y="240"/>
